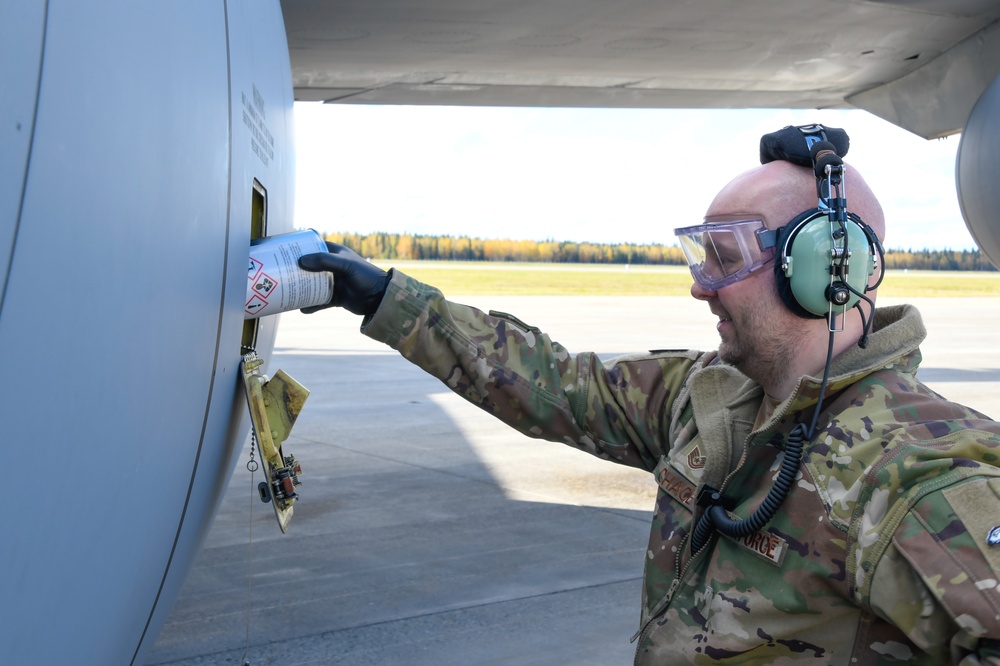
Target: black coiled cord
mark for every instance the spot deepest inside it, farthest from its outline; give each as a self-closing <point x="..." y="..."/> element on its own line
<point x="715" y="516"/>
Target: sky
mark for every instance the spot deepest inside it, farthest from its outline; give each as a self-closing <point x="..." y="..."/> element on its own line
<point x="597" y="175"/>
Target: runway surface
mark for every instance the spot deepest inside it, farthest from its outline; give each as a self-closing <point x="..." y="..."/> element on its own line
<point x="428" y="533"/>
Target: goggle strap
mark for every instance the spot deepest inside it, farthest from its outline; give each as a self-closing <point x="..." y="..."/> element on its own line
<point x="767" y="238"/>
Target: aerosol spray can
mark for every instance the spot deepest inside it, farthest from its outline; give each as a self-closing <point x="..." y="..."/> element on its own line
<point x="275" y="283"/>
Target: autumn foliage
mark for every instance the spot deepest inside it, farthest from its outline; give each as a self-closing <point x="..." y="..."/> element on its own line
<point x="464" y="248"/>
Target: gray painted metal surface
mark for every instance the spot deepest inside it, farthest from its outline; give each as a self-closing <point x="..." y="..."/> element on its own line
<point x="126" y="175"/>
<point x="920" y="65"/>
<point x="976" y="172"/>
<point x="936" y="99"/>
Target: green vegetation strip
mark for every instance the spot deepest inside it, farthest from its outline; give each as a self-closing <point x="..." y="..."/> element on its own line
<point x="606" y="280"/>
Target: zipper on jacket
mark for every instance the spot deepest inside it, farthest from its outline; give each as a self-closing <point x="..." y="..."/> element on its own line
<point x="660" y="607"/>
<point x="665" y="602"/>
<point x="775" y="417"/>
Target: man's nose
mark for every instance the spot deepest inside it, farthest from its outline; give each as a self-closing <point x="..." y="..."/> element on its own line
<point x="700" y="292"/>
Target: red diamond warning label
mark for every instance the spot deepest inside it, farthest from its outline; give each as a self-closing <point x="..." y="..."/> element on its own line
<point x="254" y="269"/>
<point x="261" y="287"/>
<point x="264" y="285"/>
<point x="255" y="305"/>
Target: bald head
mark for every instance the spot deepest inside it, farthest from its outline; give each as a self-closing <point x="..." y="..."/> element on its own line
<point x="781" y="190"/>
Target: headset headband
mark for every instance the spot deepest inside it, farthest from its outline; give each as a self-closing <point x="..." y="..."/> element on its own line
<point x="794" y="143"/>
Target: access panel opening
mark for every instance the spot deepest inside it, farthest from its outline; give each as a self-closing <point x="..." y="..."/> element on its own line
<point x="258" y="229"/>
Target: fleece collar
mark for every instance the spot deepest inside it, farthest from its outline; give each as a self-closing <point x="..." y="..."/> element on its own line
<point x="725" y="401"/>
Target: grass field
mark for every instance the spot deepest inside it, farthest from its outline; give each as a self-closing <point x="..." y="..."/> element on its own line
<point x="457" y="277"/>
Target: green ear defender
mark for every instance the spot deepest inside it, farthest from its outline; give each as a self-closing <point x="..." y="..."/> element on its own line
<point x="822" y="264"/>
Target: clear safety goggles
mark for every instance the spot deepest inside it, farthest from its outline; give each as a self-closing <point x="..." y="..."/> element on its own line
<point x="727" y="248"/>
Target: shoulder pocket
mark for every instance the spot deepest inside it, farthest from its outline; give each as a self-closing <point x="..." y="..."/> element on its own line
<point x="977" y="504"/>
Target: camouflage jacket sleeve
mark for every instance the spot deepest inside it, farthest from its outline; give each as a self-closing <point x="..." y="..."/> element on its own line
<point x="938" y="579"/>
<point x="517" y="373"/>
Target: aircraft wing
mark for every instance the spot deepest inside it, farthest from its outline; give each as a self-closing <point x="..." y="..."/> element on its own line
<point x="920" y="64"/>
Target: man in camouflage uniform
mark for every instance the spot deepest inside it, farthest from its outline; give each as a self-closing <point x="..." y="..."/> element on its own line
<point x="882" y="552"/>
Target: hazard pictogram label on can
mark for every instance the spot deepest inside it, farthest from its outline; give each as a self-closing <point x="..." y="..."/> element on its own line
<point x="275" y="283"/>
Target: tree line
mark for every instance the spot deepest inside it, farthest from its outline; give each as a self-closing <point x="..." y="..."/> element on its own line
<point x="938" y="260"/>
<point x="383" y="245"/>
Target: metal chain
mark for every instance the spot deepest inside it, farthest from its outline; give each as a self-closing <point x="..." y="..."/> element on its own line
<point x="252" y="467"/>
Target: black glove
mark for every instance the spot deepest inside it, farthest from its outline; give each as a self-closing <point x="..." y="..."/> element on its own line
<point x="358" y="285"/>
<point x="790" y="144"/>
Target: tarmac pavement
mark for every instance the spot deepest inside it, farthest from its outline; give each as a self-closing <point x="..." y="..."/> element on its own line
<point x="429" y="533"/>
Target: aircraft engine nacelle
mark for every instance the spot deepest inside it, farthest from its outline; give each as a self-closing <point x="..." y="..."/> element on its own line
<point x="142" y="146"/>
<point x="977" y="172"/>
